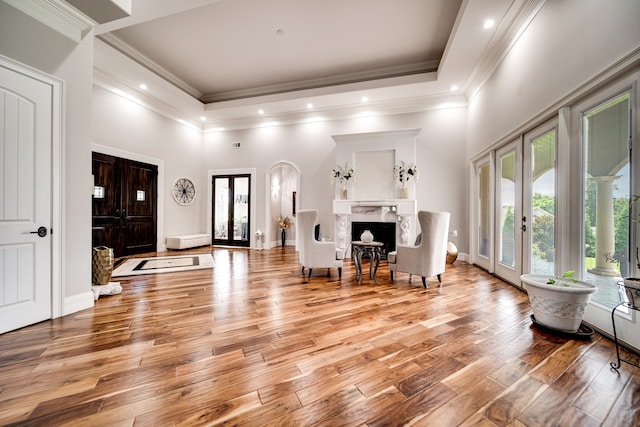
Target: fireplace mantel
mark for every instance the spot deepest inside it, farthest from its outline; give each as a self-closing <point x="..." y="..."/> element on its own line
<point x="402" y="206"/>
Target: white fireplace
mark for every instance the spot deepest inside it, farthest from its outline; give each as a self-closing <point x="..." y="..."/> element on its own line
<point x="402" y="212"/>
<point x="374" y="195"/>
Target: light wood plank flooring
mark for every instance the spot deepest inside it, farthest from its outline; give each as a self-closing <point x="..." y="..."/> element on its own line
<point x="253" y="342"/>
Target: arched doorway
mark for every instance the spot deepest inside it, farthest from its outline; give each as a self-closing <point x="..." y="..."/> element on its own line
<point x="283" y="182"/>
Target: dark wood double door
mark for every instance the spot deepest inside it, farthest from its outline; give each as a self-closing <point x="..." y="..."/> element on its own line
<point x="124" y="204"/>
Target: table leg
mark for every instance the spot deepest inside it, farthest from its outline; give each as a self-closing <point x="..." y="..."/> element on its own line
<point x="376" y="255"/>
<point x="357" y="260"/>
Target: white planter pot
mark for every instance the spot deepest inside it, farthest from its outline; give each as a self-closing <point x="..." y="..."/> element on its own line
<point x="558" y="307"/>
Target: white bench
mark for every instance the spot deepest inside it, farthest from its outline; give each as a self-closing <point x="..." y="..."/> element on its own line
<point x="186" y="241"/>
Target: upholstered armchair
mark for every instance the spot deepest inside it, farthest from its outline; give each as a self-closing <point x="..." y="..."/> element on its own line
<point x="314" y="253"/>
<point x="428" y="257"/>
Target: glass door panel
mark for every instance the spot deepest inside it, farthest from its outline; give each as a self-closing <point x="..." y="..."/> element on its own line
<point x="241" y="209"/>
<point x="231" y="197"/>
<point x="482" y="220"/>
<point x="607" y="196"/>
<point x="508" y="212"/>
<point x="221" y="208"/>
<point x="539" y="255"/>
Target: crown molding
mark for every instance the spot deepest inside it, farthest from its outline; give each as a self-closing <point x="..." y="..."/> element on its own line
<point x="372" y="109"/>
<point x="522" y="14"/>
<point x="143" y="60"/>
<point x="121" y="88"/>
<point x="58" y="15"/>
<point x="383" y="73"/>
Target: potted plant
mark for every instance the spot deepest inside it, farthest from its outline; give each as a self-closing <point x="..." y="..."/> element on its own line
<point x="558" y="302"/>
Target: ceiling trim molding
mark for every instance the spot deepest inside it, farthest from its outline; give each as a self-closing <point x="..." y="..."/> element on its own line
<point x="385" y="108"/>
<point x="133" y="54"/>
<point x="57" y="15"/>
<point x="498" y="49"/>
<point x="382" y="73"/>
<point x="115" y="86"/>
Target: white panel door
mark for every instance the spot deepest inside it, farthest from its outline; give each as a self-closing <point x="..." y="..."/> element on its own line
<point x="25" y="199"/>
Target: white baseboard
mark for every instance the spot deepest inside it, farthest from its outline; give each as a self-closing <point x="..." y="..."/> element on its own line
<point x="77" y="302"/>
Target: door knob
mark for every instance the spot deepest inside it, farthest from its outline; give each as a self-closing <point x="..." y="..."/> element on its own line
<point x="42" y="231"/>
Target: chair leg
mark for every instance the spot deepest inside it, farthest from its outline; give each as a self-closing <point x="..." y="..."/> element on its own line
<point x="424" y="282"/>
<point x="440" y="278"/>
<point x="340" y="272"/>
<point x="309" y="276"/>
<point x="303" y="269"/>
<point x="391" y="273"/>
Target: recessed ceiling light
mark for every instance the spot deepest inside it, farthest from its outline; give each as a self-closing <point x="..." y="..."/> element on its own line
<point x="309" y="105"/>
<point x="454" y="88"/>
<point x="261" y="111"/>
<point x="143" y="86"/>
<point x="280" y="32"/>
<point x="365" y="99"/>
<point x="203" y="118"/>
<point x="489" y="23"/>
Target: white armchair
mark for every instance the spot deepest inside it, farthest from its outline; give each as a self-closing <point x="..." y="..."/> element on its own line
<point x="312" y="253"/>
<point x="428" y="258"/>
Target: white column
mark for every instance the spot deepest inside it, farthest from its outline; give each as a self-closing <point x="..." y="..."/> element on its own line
<point x="605" y="234"/>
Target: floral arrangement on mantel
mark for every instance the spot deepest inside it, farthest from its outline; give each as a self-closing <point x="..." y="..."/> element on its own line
<point x="342" y="174"/>
<point x="284" y="223"/>
<point x="404" y="172"/>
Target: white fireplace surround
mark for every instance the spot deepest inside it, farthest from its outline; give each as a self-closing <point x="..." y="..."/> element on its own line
<point x="373" y="196"/>
<point x="401" y="211"/>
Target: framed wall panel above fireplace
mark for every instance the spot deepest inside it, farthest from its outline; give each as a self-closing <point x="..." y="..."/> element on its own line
<point x="374" y="174"/>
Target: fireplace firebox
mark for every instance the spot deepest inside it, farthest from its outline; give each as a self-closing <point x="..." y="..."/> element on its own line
<point x="384" y="232"/>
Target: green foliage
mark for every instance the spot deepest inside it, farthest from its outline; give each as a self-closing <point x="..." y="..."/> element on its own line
<point x="545" y="202"/>
<point x="563" y="281"/>
<point x="543" y="239"/>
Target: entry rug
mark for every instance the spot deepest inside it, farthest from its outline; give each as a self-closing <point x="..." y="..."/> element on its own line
<point x="165" y="264"/>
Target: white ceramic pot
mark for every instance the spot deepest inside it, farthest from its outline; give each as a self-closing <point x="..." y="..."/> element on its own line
<point x="366" y="236"/>
<point x="558" y="307"/>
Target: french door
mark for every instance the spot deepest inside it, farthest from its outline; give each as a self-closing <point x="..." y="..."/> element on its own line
<point x="482" y="238"/>
<point x="523" y="235"/>
<point x="231" y="200"/>
<point x="510" y="223"/>
<point x="610" y="205"/>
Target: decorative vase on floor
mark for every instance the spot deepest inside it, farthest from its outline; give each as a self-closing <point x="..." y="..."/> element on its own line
<point x="283" y="235"/>
<point x="102" y="265"/>
<point x="560" y="306"/>
<point x="452" y="252"/>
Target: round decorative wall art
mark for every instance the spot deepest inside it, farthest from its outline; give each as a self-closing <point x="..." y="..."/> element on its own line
<point x="183" y="191"/>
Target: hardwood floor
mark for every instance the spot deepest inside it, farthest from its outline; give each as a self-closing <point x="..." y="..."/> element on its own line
<point x="253" y="342"/>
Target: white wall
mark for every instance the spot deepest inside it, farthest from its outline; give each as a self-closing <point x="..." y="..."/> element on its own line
<point x="26" y="40"/>
<point x="440" y="158"/>
<point x="122" y="124"/>
<point x="125" y="126"/>
<point x="568" y="43"/>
